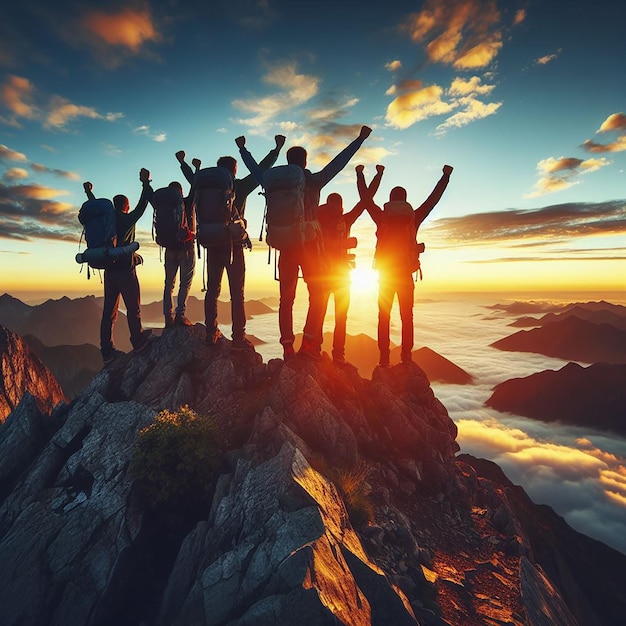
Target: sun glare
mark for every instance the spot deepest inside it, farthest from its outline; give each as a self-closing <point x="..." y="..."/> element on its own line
<point x="364" y="280"/>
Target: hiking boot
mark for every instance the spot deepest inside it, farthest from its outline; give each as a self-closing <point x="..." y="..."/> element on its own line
<point x="339" y="359"/>
<point x="213" y="337"/>
<point x="110" y="355"/>
<point x="310" y="352"/>
<point x="143" y="340"/>
<point x="169" y="322"/>
<point x="242" y="345"/>
<point x="181" y="320"/>
<point x="288" y="353"/>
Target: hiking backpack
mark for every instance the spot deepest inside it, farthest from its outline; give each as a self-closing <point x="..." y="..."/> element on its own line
<point x="335" y="236"/>
<point x="214" y="197"/>
<point x="396" y="239"/>
<point x="170" y="225"/>
<point x="98" y="219"/>
<point x="284" y="206"/>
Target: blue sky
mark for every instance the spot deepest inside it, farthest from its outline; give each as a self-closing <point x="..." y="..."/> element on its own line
<point x="527" y="100"/>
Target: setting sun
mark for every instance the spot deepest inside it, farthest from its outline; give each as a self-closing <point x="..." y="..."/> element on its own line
<point x="364" y="280"/>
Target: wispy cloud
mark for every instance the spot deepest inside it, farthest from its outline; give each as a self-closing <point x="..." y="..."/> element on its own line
<point x="145" y="130"/>
<point x="548" y="58"/>
<point x="18" y="96"/>
<point x="614" y="123"/>
<point x="294" y="90"/>
<point x="42" y="169"/>
<point x="15" y="173"/>
<point x="557" y="174"/>
<point x="32" y="211"/>
<point x="6" y="154"/>
<point x="556" y="223"/>
<point x="393" y="66"/>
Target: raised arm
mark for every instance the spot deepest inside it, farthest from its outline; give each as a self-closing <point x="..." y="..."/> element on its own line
<point x="146" y="195"/>
<point x="341" y="160"/>
<point x="353" y="215"/>
<point x="422" y="212"/>
<point x="366" y="194"/>
<point x="185" y="168"/>
<point x="88" y="187"/>
<point x="246" y="185"/>
<point x="249" y="161"/>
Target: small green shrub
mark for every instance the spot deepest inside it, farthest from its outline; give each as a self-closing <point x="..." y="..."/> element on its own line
<point x="175" y="459"/>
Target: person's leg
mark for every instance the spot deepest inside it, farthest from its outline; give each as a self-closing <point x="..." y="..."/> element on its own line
<point x="386" y="292"/>
<point x="288" y="266"/>
<point x="318" y="288"/>
<point x="171" y="268"/>
<point x="187" y="263"/>
<point x="406" y="292"/>
<point x="109" y="312"/>
<point x="217" y="258"/>
<point x="342" y="302"/>
<point x="129" y="287"/>
<point x="236" y="279"/>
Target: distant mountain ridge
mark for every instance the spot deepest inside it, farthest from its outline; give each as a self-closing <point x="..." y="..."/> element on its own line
<point x="595" y="315"/>
<point x="571" y="339"/>
<point x="593" y="396"/>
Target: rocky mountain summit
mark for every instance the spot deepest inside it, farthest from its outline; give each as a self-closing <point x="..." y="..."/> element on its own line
<point x="333" y="499"/>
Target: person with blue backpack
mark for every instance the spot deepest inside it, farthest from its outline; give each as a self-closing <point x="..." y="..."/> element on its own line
<point x="220" y="204"/>
<point x="300" y="243"/>
<point x="120" y="277"/>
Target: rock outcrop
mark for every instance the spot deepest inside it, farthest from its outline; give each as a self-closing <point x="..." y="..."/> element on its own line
<point x="24" y="373"/>
<point x="339" y="500"/>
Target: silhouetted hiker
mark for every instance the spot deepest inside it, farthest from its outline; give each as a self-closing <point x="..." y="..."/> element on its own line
<point x="121" y="278"/>
<point x="335" y="225"/>
<point x="174" y="228"/>
<point x="306" y="249"/>
<point x="397" y="257"/>
<point x="230" y="256"/>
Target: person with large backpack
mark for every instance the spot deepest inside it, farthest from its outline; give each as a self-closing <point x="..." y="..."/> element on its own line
<point x="220" y="204"/>
<point x="299" y="243"/>
<point x="335" y="226"/>
<point x="174" y="230"/>
<point x="396" y="257"/>
<point x="120" y="278"/>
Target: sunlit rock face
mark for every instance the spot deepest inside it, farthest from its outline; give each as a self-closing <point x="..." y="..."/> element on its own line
<point x="23" y="372"/>
<point x="339" y="500"/>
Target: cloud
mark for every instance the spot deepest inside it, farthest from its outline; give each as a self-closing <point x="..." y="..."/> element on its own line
<point x="520" y="16"/>
<point x="559" y="174"/>
<point x="533" y="226"/>
<point x="409" y="108"/>
<point x="462" y="33"/>
<point x="127" y="28"/>
<point x="474" y="110"/>
<point x="15" y="173"/>
<point x="619" y="145"/>
<point x="295" y="89"/>
<point x="393" y="66"/>
<point x="30" y="212"/>
<point x="6" y="154"/>
<point x="616" y="121"/>
<point x="471" y="86"/>
<point x="17" y="94"/>
<point x="155" y="136"/>
<point x="548" y="58"/>
<point x="42" y="169"/>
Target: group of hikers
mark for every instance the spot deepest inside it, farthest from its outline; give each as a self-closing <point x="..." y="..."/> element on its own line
<point x="310" y="237"/>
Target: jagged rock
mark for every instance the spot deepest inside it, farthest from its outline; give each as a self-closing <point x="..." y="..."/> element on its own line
<point x="23" y="372"/>
<point x="276" y="544"/>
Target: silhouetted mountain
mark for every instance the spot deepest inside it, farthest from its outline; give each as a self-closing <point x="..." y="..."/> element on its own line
<point x="64" y="321"/>
<point x="524" y="307"/>
<point x="74" y="367"/>
<point x="337" y="500"/>
<point x="595" y="315"/>
<point x="593" y="396"/>
<point x="23" y="373"/>
<point x="153" y="312"/>
<point x="362" y="352"/>
<point x="571" y="339"/>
